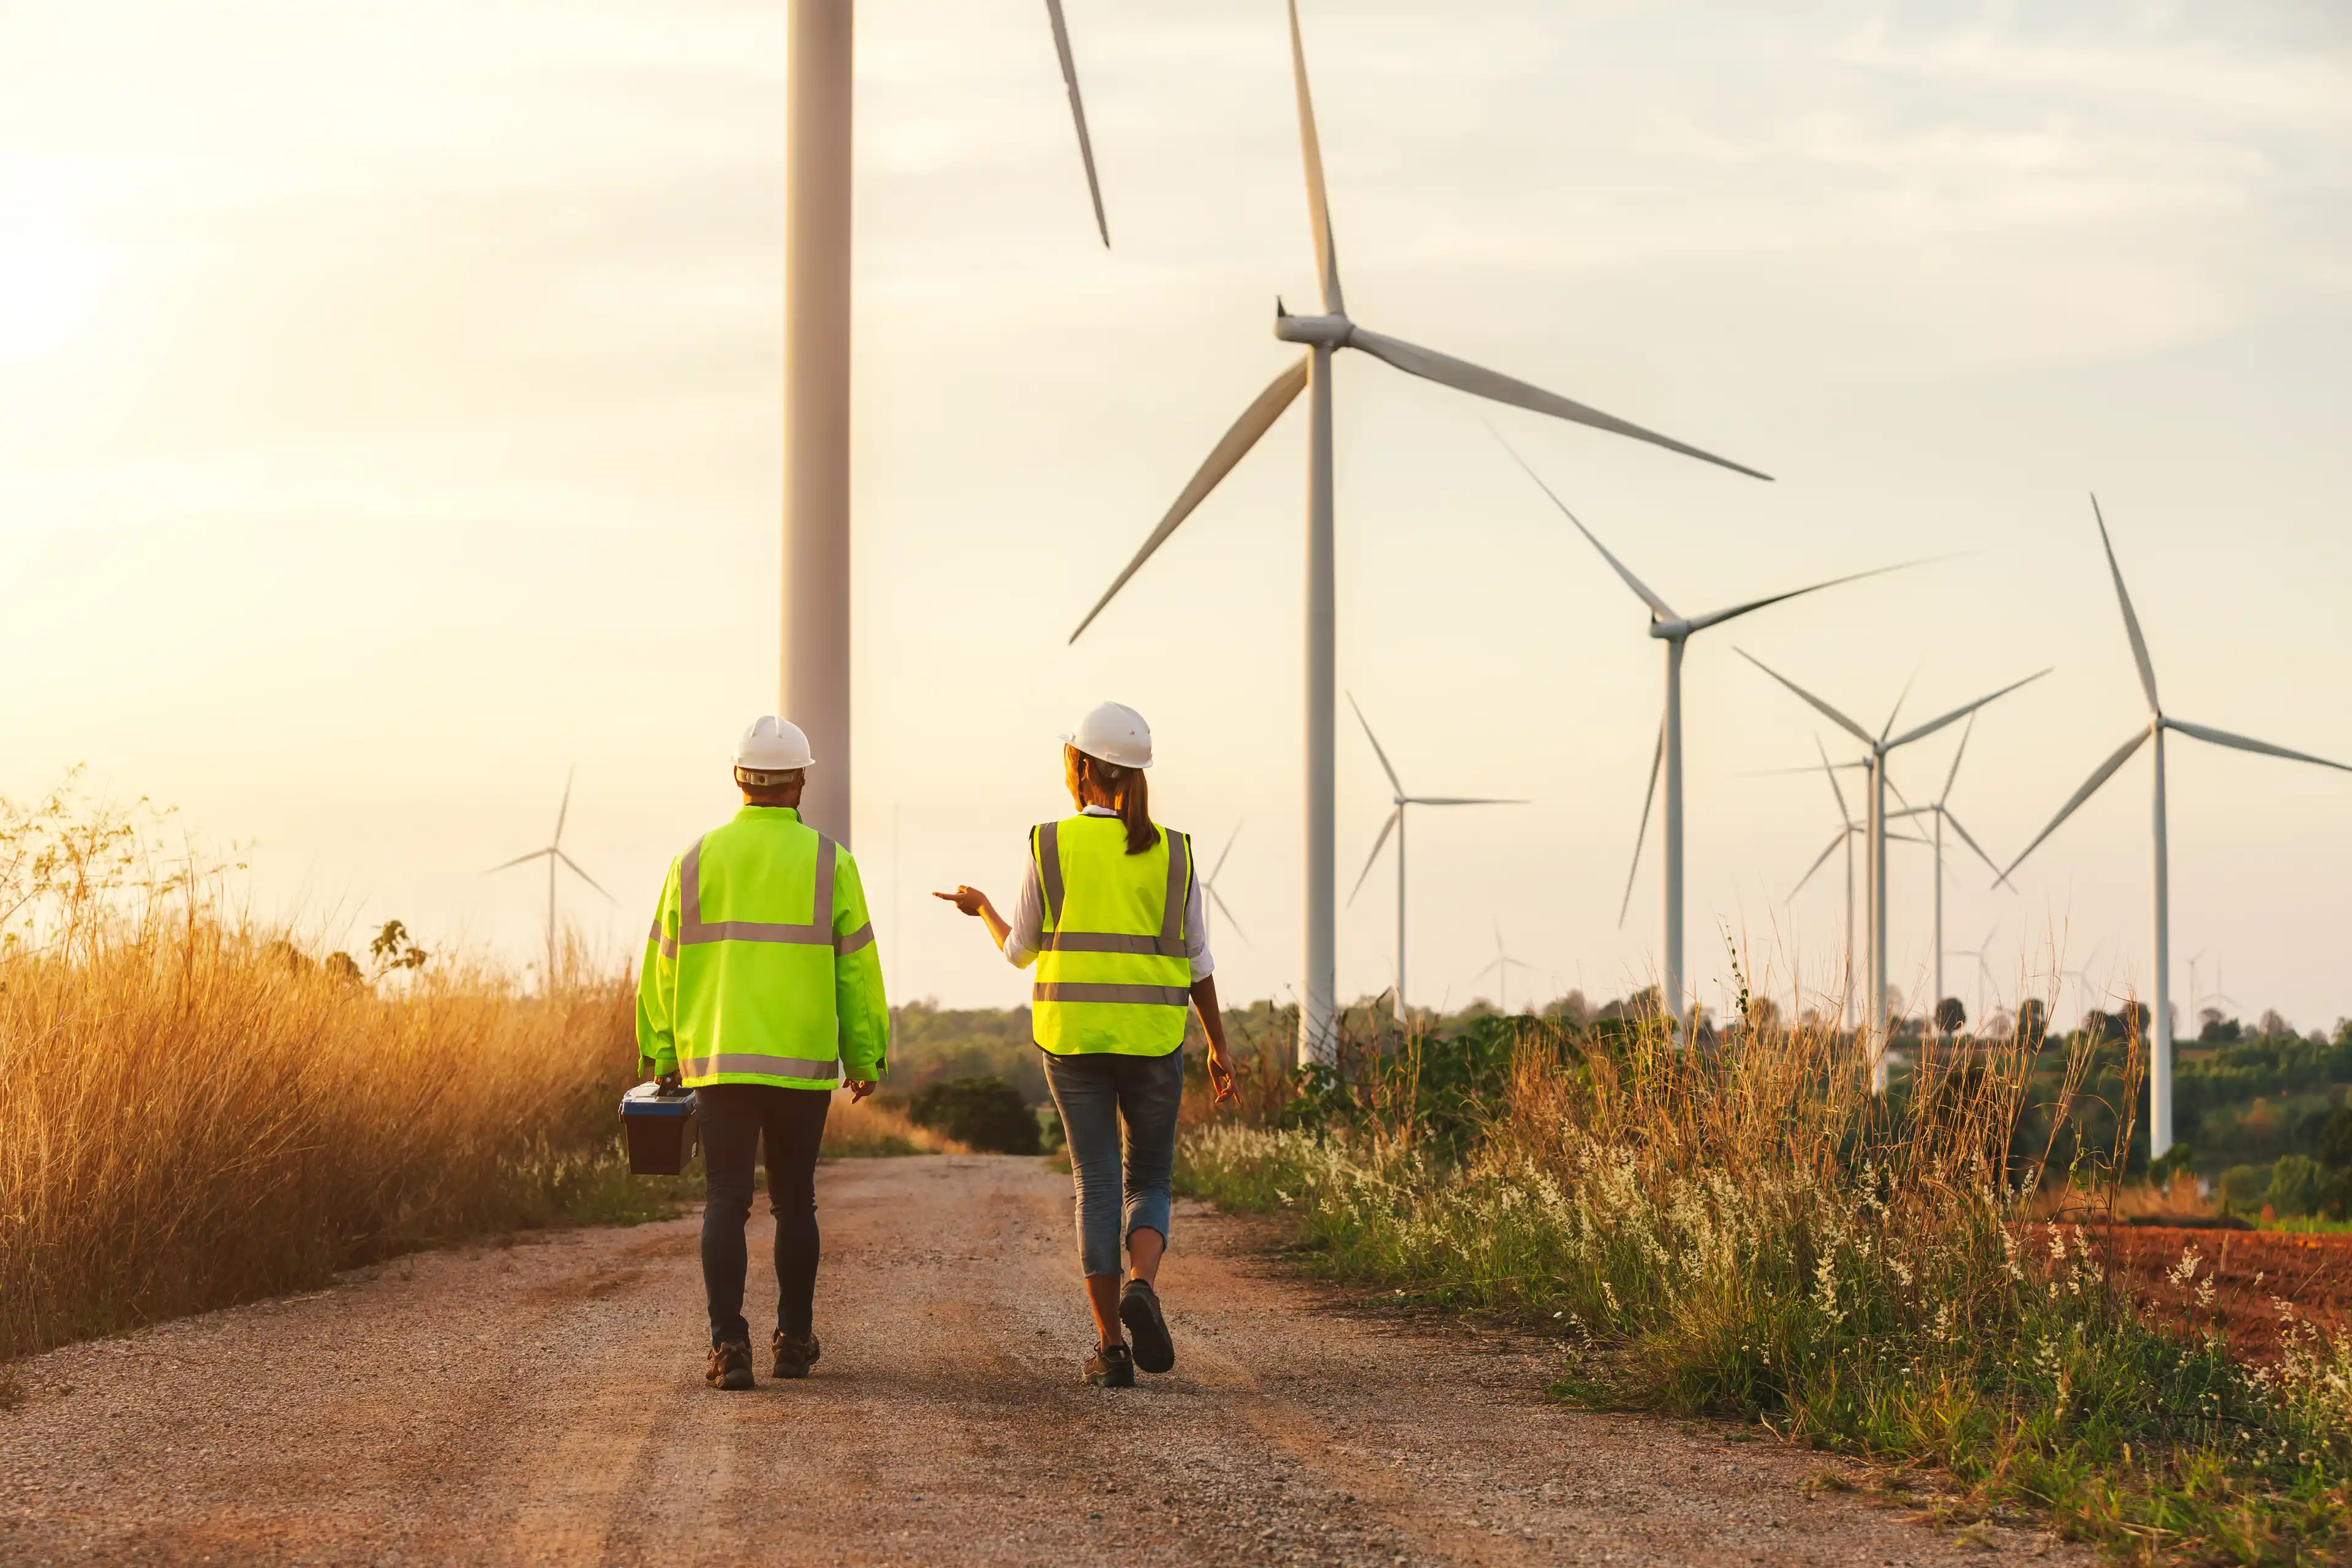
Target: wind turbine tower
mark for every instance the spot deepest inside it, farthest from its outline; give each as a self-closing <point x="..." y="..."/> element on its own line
<point x="1396" y="824"/>
<point x="1940" y="809"/>
<point x="1881" y="747"/>
<point x="1323" y="337"/>
<point x="815" y="658"/>
<point x="2160" y="1075"/>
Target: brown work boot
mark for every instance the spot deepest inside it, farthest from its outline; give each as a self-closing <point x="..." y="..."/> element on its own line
<point x="795" y="1353"/>
<point x="730" y="1367"/>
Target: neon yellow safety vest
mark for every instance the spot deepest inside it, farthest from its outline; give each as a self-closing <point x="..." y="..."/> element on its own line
<point x="761" y="967"/>
<point x="1112" y="975"/>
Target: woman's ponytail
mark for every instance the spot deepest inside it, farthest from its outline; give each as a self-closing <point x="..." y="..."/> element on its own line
<point x="1129" y="793"/>
<point x="1135" y="810"/>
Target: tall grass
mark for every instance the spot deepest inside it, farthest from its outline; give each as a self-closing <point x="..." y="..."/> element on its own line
<point x="193" y="1112"/>
<point x="1745" y="1229"/>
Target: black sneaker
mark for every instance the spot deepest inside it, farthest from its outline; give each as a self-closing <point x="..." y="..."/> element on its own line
<point x="730" y="1367"/>
<point x="1111" y="1366"/>
<point x="1139" y="1308"/>
<point x="795" y="1353"/>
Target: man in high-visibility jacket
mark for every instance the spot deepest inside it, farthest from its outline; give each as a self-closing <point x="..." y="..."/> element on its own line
<point x="761" y="992"/>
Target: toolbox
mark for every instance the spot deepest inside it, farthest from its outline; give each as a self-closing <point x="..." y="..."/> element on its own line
<point x="660" y="1126"/>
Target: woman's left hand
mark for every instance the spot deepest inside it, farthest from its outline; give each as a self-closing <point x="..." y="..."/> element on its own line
<point x="970" y="901"/>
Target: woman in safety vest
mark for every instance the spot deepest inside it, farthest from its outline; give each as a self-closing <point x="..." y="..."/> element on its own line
<point x="1109" y="912"/>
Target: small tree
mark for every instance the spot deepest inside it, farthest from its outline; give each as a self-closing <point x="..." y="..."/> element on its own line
<point x="1950" y="1016"/>
<point x="395" y="949"/>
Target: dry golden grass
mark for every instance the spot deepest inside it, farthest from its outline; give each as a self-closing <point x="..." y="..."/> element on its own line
<point x="862" y="1129"/>
<point x="194" y="1112"/>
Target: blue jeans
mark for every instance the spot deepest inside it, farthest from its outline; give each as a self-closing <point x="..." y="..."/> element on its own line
<point x="1096" y="1093"/>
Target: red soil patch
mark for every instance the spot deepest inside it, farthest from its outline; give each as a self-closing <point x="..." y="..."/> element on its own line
<point x="2250" y="1271"/>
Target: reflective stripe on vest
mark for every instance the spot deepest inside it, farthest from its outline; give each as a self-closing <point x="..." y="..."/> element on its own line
<point x="1125" y="992"/>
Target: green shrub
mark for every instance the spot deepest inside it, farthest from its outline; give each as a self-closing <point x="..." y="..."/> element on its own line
<point x="2242" y="1187"/>
<point x="2295" y="1186"/>
<point x="986" y="1114"/>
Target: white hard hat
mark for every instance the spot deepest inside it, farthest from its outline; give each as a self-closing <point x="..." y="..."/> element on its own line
<point x="772" y="745"/>
<point x="1113" y="732"/>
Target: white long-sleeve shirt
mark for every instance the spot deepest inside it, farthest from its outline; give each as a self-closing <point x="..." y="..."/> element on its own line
<point x="1023" y="942"/>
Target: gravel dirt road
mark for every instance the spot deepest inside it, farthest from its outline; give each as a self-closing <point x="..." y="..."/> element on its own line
<point x="544" y="1403"/>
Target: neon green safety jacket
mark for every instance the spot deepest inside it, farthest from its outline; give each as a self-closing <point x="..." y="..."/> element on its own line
<point x="761" y="966"/>
<point x="1112" y="975"/>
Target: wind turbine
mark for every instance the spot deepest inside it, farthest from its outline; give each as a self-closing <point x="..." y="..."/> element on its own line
<point x="1675" y="632"/>
<point x="2159" y="1077"/>
<point x="1881" y="747"/>
<point x="1209" y="882"/>
<point x="553" y="853"/>
<point x="1847" y="833"/>
<point x="1396" y="824"/>
<point x="1501" y="970"/>
<point x="1324" y="336"/>
<point x="813" y="667"/>
<point x="1984" y="969"/>
<point x="1940" y="809"/>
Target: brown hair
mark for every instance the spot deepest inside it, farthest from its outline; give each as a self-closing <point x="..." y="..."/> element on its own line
<point x="1126" y="787"/>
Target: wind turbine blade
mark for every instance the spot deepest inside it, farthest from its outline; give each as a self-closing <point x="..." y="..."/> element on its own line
<point x="1378" y="844"/>
<point x="1319" y="202"/>
<point x="1217" y="870"/>
<point x="517" y="860"/>
<point x="1958" y="752"/>
<point x="565" y="809"/>
<point x="1394" y="781"/>
<point x="2131" y="619"/>
<point x="1835" y="844"/>
<point x="1236" y="444"/>
<point x="2241" y="743"/>
<point x="1649" y="799"/>
<point x="1219" y="900"/>
<point x="1999" y="875"/>
<point x="1900" y="699"/>
<point x="1830" y="769"/>
<point x="1933" y="725"/>
<point x="584" y="876"/>
<point x="1461" y="800"/>
<point x="1464" y="376"/>
<point x="1843" y="722"/>
<point x="1716" y="617"/>
<point x="1078" y="113"/>
<point x="1658" y="606"/>
<point x="2100" y="775"/>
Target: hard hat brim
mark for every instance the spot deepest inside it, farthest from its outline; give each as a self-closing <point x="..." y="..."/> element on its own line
<point x="1072" y="740"/>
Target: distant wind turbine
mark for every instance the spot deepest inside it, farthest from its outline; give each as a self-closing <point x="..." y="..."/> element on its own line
<point x="1880" y="748"/>
<point x="2159" y="1078"/>
<point x="1981" y="954"/>
<point x="1940" y="809"/>
<point x="1209" y="882"/>
<point x="1395" y="824"/>
<point x="551" y="854"/>
<point x="1675" y="632"/>
<point x="1501" y="970"/>
<point x="1324" y="336"/>
<point x="1850" y="831"/>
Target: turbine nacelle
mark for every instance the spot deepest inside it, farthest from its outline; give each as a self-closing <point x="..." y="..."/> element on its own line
<point x="1331" y="331"/>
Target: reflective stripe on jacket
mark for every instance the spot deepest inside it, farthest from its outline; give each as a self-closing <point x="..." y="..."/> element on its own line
<point x="1112" y="974"/>
<point x="761" y="966"/>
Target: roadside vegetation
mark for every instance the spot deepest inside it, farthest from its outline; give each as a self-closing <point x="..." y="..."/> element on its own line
<point x="198" y="1109"/>
<point x="1743" y="1230"/>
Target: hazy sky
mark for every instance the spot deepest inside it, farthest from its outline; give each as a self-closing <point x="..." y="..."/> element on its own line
<point x="389" y="422"/>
